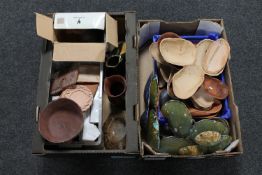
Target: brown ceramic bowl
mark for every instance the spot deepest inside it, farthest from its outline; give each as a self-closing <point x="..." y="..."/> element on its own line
<point x="215" y="88"/>
<point x="60" y="121"/>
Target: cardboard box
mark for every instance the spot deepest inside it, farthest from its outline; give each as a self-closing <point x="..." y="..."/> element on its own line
<point x="71" y="49"/>
<point x="126" y="27"/>
<point x="137" y="71"/>
<point x="145" y="67"/>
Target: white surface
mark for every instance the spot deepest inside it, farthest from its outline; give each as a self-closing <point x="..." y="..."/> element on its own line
<point x="147" y="31"/>
<point x="96" y="109"/>
<point x="90" y="131"/>
<point x="232" y="146"/>
<point x="80" y="21"/>
<point x="206" y="27"/>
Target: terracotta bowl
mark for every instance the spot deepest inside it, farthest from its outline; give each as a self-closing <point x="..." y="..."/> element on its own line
<point x="60" y="121"/>
<point x="215" y="88"/>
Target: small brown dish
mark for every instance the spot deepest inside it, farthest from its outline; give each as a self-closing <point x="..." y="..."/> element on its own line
<point x="215" y="88"/>
<point x="60" y="121"/>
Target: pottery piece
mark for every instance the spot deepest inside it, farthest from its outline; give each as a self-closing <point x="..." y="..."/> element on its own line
<point x="152" y="137"/>
<point x="64" y="81"/>
<point x="178" y="51"/>
<point x="155" y="53"/>
<point x="115" y="88"/>
<point x="201" y="49"/>
<point x="179" y="117"/>
<point x="172" y="144"/>
<point x="165" y="71"/>
<point x="167" y="35"/>
<point x="60" y="121"/>
<point x="191" y="150"/>
<point x="200" y="112"/>
<point x="208" y="125"/>
<point x="80" y="94"/>
<point x="215" y="88"/>
<point x="216" y="57"/>
<point x="208" y="138"/>
<point x="115" y="131"/>
<point x="92" y="86"/>
<point x="163" y="97"/>
<point x="153" y="102"/>
<point x="186" y="81"/>
<point x="223" y="143"/>
<point x="201" y="99"/>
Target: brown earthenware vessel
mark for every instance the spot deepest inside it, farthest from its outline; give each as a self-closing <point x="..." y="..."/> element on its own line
<point x="215" y="88"/>
<point x="60" y="121"/>
<point x="115" y="88"/>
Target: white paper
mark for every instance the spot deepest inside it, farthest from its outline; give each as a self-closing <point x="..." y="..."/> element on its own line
<point x="80" y="20"/>
<point x="205" y="27"/>
<point x="90" y="131"/>
<point x="147" y="31"/>
<point x="232" y="146"/>
<point x="96" y="109"/>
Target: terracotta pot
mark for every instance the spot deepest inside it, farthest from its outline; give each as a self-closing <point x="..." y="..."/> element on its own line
<point x="115" y="88"/>
<point x="60" y="121"/>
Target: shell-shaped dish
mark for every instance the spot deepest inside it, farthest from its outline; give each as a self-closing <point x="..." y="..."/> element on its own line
<point x="216" y="57"/>
<point x="178" y="51"/>
<point x="186" y="81"/>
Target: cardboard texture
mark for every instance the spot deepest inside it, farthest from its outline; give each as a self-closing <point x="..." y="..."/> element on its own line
<point x="68" y="51"/>
<point x="138" y="68"/>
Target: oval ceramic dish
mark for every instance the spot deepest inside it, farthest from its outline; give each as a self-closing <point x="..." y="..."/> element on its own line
<point x="201" y="99"/>
<point x="215" y="88"/>
<point x="216" y="57"/>
<point x="80" y="94"/>
<point x="186" y="81"/>
<point x="178" y="51"/>
<point x="201" y="49"/>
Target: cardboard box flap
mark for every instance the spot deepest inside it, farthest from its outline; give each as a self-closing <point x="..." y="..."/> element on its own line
<point x="44" y="27"/>
<point x="91" y="52"/>
<point x="111" y="31"/>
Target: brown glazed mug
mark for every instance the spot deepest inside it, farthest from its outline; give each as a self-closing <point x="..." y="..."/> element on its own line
<point x="60" y="121"/>
<point x="115" y="88"/>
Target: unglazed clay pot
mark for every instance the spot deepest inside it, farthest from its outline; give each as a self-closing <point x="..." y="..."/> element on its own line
<point x="115" y="88"/>
<point x="178" y="51"/>
<point x="186" y="81"/>
<point x="60" y="121"/>
<point x="216" y="57"/>
<point x="215" y="88"/>
<point x="200" y="113"/>
<point x="201" y="99"/>
<point x="201" y="49"/>
<point x="80" y="94"/>
<point x="167" y="35"/>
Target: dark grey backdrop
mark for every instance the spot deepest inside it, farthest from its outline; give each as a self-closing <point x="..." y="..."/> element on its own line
<point x="19" y="63"/>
